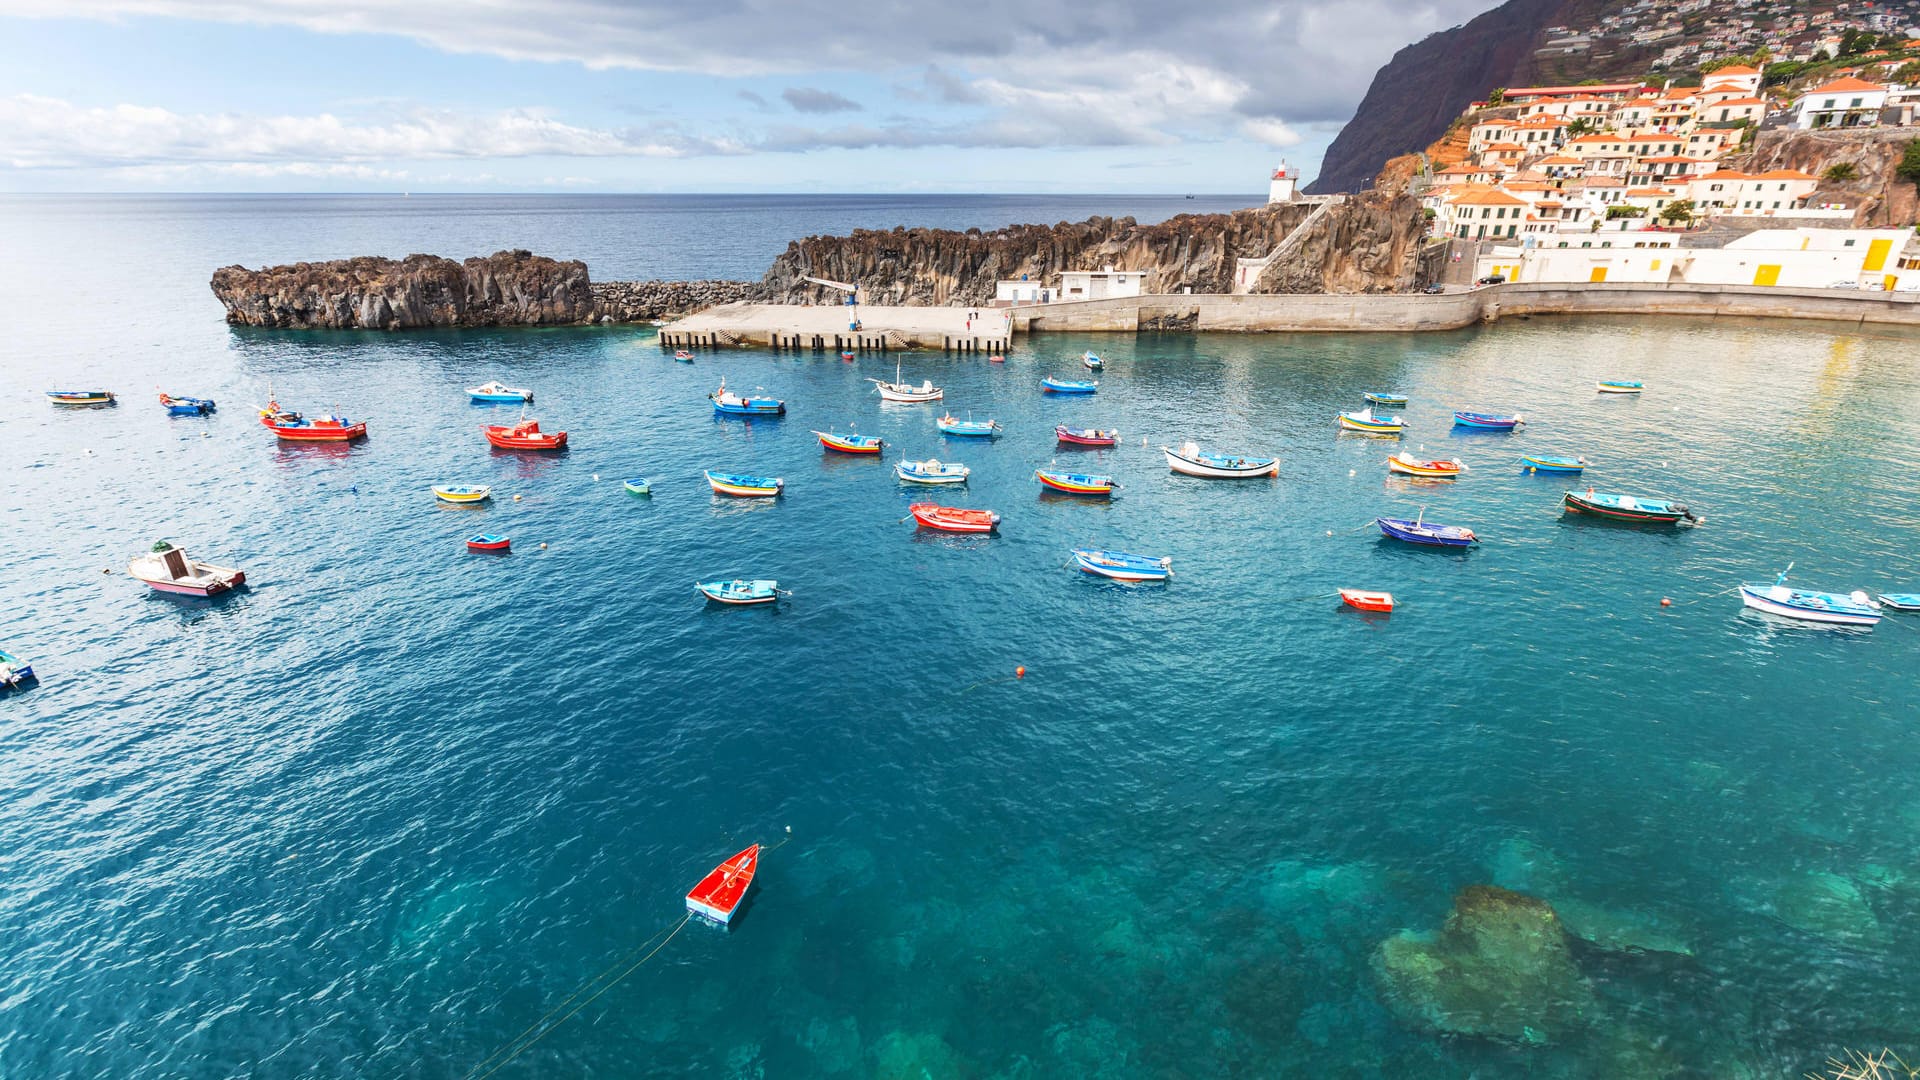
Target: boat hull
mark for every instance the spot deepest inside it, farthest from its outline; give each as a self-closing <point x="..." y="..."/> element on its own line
<point x="746" y="487"/>
<point x="739" y="593"/>
<point x="745" y="409"/>
<point x="489" y="543"/>
<point x="914" y="477"/>
<point x="1483" y="422"/>
<point x="1899" y="601"/>
<point x="206" y="580"/>
<point x="1430" y="535"/>
<point x="14" y="671"/>
<point x="501" y="440"/>
<point x="1058" y="386"/>
<point x="1075" y="483"/>
<point x="80" y="397"/>
<point x="463" y="496"/>
<point x="1253" y="469"/>
<point x="950" y="519"/>
<point x="1645" y="512"/>
<point x="638" y="487"/>
<point x="1762" y="598"/>
<point x="854" y="445"/>
<point x="718" y="895"/>
<point x="1366" y="600"/>
<point x="1390" y="401"/>
<point x="1440" y="470"/>
<point x="967" y="429"/>
<point x="1122" y="566"/>
<point x="1085" y="437"/>
<point x="1370" y="427"/>
<point x="318" y="432"/>
<point x="1552" y="466"/>
<point x="1618" y="387"/>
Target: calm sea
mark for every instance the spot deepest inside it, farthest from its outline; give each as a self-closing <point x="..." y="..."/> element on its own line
<point x="378" y="814"/>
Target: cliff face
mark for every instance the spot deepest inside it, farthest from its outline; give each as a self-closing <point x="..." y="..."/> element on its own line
<point x="1878" y="196"/>
<point x="940" y="266"/>
<point x="1370" y="243"/>
<point x="508" y="288"/>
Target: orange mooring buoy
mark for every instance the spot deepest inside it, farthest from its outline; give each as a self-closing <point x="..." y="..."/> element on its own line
<point x="1020" y="672"/>
<point x="1666" y="601"/>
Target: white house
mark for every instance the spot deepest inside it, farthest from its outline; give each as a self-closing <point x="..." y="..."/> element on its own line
<point x="1797" y="258"/>
<point x="1100" y="284"/>
<point x="1023" y="291"/>
<point x="1847" y="102"/>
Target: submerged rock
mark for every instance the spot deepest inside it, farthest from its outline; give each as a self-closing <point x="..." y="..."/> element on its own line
<point x="1499" y="968"/>
<point x="915" y="1056"/>
<point x="1828" y="905"/>
<point x="1524" y="866"/>
<point x="1619" y="930"/>
<point x="834" y="1044"/>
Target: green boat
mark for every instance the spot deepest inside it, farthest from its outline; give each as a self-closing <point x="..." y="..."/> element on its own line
<point x="638" y="486"/>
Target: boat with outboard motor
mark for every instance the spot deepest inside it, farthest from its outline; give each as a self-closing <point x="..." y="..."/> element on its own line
<point x="1192" y="461"/>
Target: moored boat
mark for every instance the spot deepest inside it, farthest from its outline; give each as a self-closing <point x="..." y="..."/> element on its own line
<point x="462" y="493"/>
<point x="953" y="519"/>
<point x="931" y="471"/>
<point x="1054" y="385"/>
<point x="1618" y="386"/>
<point x="80" y="397"/>
<point x="1558" y="465"/>
<point x="1487" y="421"/>
<point x="1418" y="531"/>
<point x="683" y="356"/>
<point x="14" y="671"/>
<point x="1627" y="508"/>
<point x="1372" y="423"/>
<point x="524" y="435"/>
<point x="732" y="404"/>
<point x="186" y="406"/>
<point x="741" y="485"/>
<point x="1845" y="609"/>
<point x="1073" y="436"/>
<point x="1191" y="461"/>
<point x="1122" y="565"/>
<point x="1367" y="600"/>
<point x="718" y="895"/>
<point x="900" y="391"/>
<point x="1092" y="362"/>
<point x="293" y="427"/>
<point x="168" y="569"/>
<point x="851" y="443"/>
<point x="1900" y="601"/>
<point x="969" y="428"/>
<point x="740" y="591"/>
<point x="1076" y="483"/>
<point x="1387" y="401"/>
<point x="1408" y="465"/>
<point x="488" y="542"/>
<point x="637" y="485"/>
<point x="494" y="392"/>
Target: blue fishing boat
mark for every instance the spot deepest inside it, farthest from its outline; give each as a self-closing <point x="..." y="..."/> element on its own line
<point x="1418" y="531"/>
<point x="1076" y="483"/>
<point x="1561" y="465"/>
<point x="1093" y="363"/>
<point x="742" y="486"/>
<point x="1618" y="386"/>
<point x="1900" y="601"/>
<point x="1053" y="385"/>
<point x="1844" y="609"/>
<point x="973" y="429"/>
<point x="740" y="591"/>
<point x="1628" y="508"/>
<point x="1486" y="421"/>
<point x="1387" y="401"/>
<point x="493" y="393"/>
<point x="1121" y="565"/>
<point x="186" y="406"/>
<point x="14" y="671"/>
<point x="729" y="403"/>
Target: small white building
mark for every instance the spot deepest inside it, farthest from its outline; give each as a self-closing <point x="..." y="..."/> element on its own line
<point x="1280" y="187"/>
<point x="1023" y="291"/>
<point x="1847" y="102"/>
<point x="1100" y="284"/>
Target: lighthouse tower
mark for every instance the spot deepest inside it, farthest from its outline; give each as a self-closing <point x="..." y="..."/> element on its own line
<point x="1280" y="188"/>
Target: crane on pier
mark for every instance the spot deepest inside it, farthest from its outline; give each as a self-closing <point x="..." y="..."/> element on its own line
<point x="853" y="298"/>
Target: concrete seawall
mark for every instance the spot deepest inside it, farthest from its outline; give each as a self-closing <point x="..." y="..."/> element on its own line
<point x="1405" y="313"/>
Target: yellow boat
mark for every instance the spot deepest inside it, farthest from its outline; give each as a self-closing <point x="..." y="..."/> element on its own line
<point x="1408" y="464"/>
<point x="462" y="493"/>
<point x="1367" y="421"/>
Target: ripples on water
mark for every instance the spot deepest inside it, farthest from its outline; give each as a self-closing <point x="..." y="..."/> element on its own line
<point x="382" y="810"/>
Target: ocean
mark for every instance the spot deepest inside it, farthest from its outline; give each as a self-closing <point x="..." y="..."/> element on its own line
<point x="395" y="803"/>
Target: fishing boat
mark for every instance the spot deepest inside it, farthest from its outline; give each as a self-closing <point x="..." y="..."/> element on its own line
<point x="1191" y="461"/>
<point x="488" y="542"/>
<point x="1847" y="609"/>
<point x="1486" y="421"/>
<point x="493" y="392"/>
<point x="898" y="390"/>
<point x="1618" y="386"/>
<point x="462" y="493"/>
<point x="1561" y="465"/>
<point x="524" y="435"/>
<point x="292" y="427"/>
<point x="1387" y="401"/>
<point x="954" y="519"/>
<point x="637" y="486"/>
<point x="1367" y="600"/>
<point x="969" y="428"/>
<point x="683" y="356"/>
<point x="740" y="591"/>
<point x="14" y="671"/>
<point x="732" y="404"/>
<point x="168" y="569"/>
<point x="1899" y="601"/>
<point x="996" y="359"/>
<point x="850" y="443"/>
<point x="1073" y="436"/>
<point x="1367" y="421"/>
<point x="847" y="356"/>
<point x="932" y="472"/>
<point x="1408" y="465"/>
<point x="1076" y="483"/>
<point x="1627" y="508"/>
<point x="743" y="486"/>
<point x="718" y="895"/>
<point x="1122" y="566"/>
<point x="1053" y="385"/>
<point x="1418" y="531"/>
<point x="80" y="397"/>
<point x="1092" y="362"/>
<point x="185" y="406"/>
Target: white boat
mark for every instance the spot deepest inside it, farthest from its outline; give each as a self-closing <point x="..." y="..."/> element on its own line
<point x="1846" y="609"/>
<point x="1122" y="565"/>
<point x="168" y="569"/>
<point x="900" y="391"/>
<point x="1191" y="461"/>
<point x="1092" y="362"/>
<point x="932" y="472"/>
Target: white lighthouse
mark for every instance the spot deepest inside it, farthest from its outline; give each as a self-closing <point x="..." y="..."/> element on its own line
<point x="1280" y="188"/>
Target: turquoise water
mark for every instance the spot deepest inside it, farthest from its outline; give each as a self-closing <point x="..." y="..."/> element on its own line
<point x="378" y="813"/>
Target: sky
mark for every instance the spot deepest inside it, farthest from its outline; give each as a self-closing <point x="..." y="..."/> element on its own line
<point x="685" y="95"/>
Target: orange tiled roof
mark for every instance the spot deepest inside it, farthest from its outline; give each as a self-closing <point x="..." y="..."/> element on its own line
<point x="1486" y="196"/>
<point x="1846" y="86"/>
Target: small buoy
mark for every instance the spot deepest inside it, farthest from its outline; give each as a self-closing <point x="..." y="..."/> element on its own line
<point x="1352" y="472"/>
<point x="543" y="547"/>
<point x="106" y="569"/>
<point x="1020" y="672"/>
<point x="89" y="453"/>
<point x="1329" y="532"/>
<point x="516" y="498"/>
<point x="1666" y="601"/>
<point x="596" y="476"/>
<point x="789" y="828"/>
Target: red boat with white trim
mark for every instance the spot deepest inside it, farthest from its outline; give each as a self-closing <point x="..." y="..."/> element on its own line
<point x="292" y="427"/>
<point x="525" y="435"/>
<point x="1366" y="600"/>
<point x="1085" y="436"/>
<point x="719" y="894"/>
<point x="953" y="519"/>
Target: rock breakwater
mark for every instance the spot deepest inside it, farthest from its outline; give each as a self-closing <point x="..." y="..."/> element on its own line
<point x="639" y="301"/>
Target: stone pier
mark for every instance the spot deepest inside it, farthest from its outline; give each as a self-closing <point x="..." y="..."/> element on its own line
<point x="830" y="327"/>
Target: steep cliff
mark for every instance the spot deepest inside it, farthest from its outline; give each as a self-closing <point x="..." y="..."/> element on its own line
<point x="1369" y="243"/>
<point x="508" y="288"/>
<point x="1878" y="196"/>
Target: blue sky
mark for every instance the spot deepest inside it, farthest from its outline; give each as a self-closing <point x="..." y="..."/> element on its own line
<point x="664" y="95"/>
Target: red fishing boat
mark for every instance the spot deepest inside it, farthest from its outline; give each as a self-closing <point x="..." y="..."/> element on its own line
<point x="1366" y="600"/>
<point x="720" y="893"/>
<point x="293" y="427"/>
<point x="525" y="435"/>
<point x="952" y="519"/>
<point x="489" y="542"/>
<point x="1085" y="436"/>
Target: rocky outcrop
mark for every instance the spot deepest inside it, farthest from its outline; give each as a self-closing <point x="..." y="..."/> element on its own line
<point x="1879" y="197"/>
<point x="508" y="288"/>
<point x="1369" y="243"/>
<point x="639" y="301"/>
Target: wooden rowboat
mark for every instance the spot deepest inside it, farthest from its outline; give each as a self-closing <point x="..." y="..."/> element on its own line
<point x="740" y="485"/>
<point x="1844" y="609"/>
<point x="1076" y="483"/>
<point x="976" y="429"/>
<point x="718" y="895"/>
<point x="1366" y="600"/>
<point x="1899" y="601"/>
<point x="954" y="519"/>
<point x="1627" y="508"/>
<point x="1371" y="423"/>
<point x="1618" y="386"/>
<point x="14" y="671"/>
<point x="525" y="435"/>
<point x="851" y="444"/>
<point x="1418" y="531"/>
<point x="1122" y="566"/>
<point x="488" y="542"/>
<point x="638" y="486"/>
<point x="1189" y="460"/>
<point x="1389" y="401"/>
<point x="186" y="406"/>
<point x="1053" y="385"/>
<point x="1560" y="465"/>
<point x="1073" y="436"/>
<point x="931" y="471"/>
<point x="740" y="591"/>
<point x="80" y="397"/>
<point x="1486" y="421"/>
<point x="462" y="493"/>
<point x="728" y="403"/>
<point x="1409" y="465"/>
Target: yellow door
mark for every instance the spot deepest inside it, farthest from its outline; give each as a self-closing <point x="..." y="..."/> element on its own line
<point x="1767" y="275"/>
<point x="1877" y="255"/>
<point x="1599" y="274"/>
<point x="1887" y="283"/>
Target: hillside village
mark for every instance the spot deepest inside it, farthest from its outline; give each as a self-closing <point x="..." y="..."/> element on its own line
<point x="1690" y="31"/>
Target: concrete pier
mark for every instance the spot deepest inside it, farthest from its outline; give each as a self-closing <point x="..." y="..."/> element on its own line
<point x="825" y="328"/>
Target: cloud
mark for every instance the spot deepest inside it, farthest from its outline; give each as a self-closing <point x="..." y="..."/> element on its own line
<point x="806" y="99"/>
<point x="755" y="100"/>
